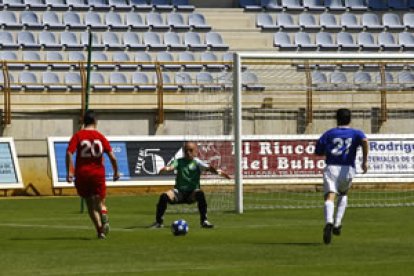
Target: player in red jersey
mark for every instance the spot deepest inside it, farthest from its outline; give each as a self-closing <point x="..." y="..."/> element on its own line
<point x="89" y="172"/>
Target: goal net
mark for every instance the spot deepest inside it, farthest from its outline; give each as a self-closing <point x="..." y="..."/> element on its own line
<point x="260" y="117"/>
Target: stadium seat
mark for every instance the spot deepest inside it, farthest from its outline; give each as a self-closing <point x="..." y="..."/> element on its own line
<point x="72" y="21"/>
<point x="266" y="22"/>
<point x="334" y="5"/>
<point x="153" y="42"/>
<point x="119" y="5"/>
<point x="340" y="81"/>
<point x="98" y="5"/>
<point x="93" y="21"/>
<point x="193" y="41"/>
<point x="292" y="5"/>
<point x="182" y="5"/>
<point x="392" y="22"/>
<point x="371" y="22"/>
<point x="173" y="41"/>
<point x="285" y="21"/>
<point x="271" y="5"/>
<point x="119" y="58"/>
<point x="52" y="82"/>
<point x="320" y="81"/>
<point x="387" y="42"/>
<point x="303" y="41"/>
<point x="132" y="41"/>
<point x="408" y="21"/>
<point x="114" y="21"/>
<point x="406" y="80"/>
<point x="140" y="5"/>
<point x="184" y="82"/>
<point x="167" y="84"/>
<point x="135" y="22"/>
<point x="48" y="41"/>
<point x="101" y="57"/>
<point x="176" y="21"/>
<point x="250" y="5"/>
<point x="69" y="41"/>
<point x="377" y="5"/>
<point x="346" y="41"/>
<point x="313" y="5"/>
<point x="356" y="5"/>
<point x="76" y="56"/>
<point x="328" y="22"/>
<point x="96" y="42"/>
<point x="29" y="82"/>
<point x="198" y="22"/>
<point x="156" y="22"/>
<point x="119" y="82"/>
<point x="112" y="41"/>
<point x="73" y="81"/>
<point x="30" y="21"/>
<point x="56" y="5"/>
<point x="27" y="40"/>
<point x="363" y="81"/>
<point x="325" y="41"/>
<point x="190" y="58"/>
<point x="215" y="42"/>
<point x="14" y="4"/>
<point x="77" y="5"/>
<point x="390" y="83"/>
<point x="98" y="82"/>
<point x="7" y="41"/>
<point x="283" y="41"/>
<point x="367" y="42"/>
<point x="51" y="21"/>
<point x="250" y="82"/>
<point x="398" y="4"/>
<point x="349" y="21"/>
<point x="35" y="5"/>
<point x="8" y="20"/>
<point x="211" y="57"/>
<point x="167" y="57"/>
<point x="307" y="21"/>
<point x="56" y="57"/>
<point x="206" y="82"/>
<point x="225" y="79"/>
<point x="142" y="83"/>
<point x="11" y="56"/>
<point x="145" y="57"/>
<point x="162" y="5"/>
<point x="406" y="39"/>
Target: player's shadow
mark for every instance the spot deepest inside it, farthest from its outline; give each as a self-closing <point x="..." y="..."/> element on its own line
<point x="53" y="239"/>
<point x="291" y="243"/>
<point x="132" y="227"/>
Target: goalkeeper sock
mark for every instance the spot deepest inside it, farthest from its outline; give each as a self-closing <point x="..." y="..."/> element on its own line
<point x="342" y="203"/>
<point x="329" y="211"/>
<point x="202" y="205"/>
<point x="161" y="208"/>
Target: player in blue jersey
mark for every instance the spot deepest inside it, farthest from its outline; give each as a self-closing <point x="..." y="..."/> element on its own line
<point x="339" y="145"/>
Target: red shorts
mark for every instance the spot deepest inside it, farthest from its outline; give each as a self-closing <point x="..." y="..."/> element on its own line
<point x="90" y="186"/>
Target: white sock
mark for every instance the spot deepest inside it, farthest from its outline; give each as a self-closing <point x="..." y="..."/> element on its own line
<point x="342" y="203"/>
<point x="329" y="211"/>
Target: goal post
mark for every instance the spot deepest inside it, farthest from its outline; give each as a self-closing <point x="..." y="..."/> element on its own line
<point x="289" y="89"/>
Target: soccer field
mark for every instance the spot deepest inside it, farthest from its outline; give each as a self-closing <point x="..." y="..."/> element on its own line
<point x="48" y="236"/>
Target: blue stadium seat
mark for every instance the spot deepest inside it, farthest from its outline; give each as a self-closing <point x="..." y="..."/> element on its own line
<point x="390" y="82"/>
<point x="215" y="42"/>
<point x="112" y="41"/>
<point x="51" y="21"/>
<point x="393" y="22"/>
<point x="206" y="82"/>
<point x="292" y="5"/>
<point x="320" y="81"/>
<point x="371" y="22"/>
<point x="340" y="81"/>
<point x="96" y="42"/>
<point x="325" y="41"/>
<point x="210" y="58"/>
<point x="285" y="21"/>
<point x="406" y="39"/>
<point x="398" y="4"/>
<point x="30" y="21"/>
<point x="167" y="84"/>
<point x="378" y="5"/>
<point x="133" y="42"/>
<point x="77" y="5"/>
<point x="7" y="41"/>
<point x="56" y="5"/>
<point x="182" y="5"/>
<point x="176" y="21"/>
<point x="406" y="80"/>
<point x="98" y="82"/>
<point x="190" y="58"/>
<point x="334" y="5"/>
<point x="101" y="57"/>
<point x="408" y="20"/>
<point x="135" y="22"/>
<point x="328" y="22"/>
<point x="120" y="5"/>
<point x="198" y="22"/>
<point x="303" y="41"/>
<point x="14" y="4"/>
<point x="119" y="82"/>
<point x="349" y="21"/>
<point x="167" y="57"/>
<point x="185" y="83"/>
<point x="367" y="42"/>
<point x="363" y="81"/>
<point x="162" y="5"/>
<point x="114" y="21"/>
<point x="98" y="5"/>
<point x="120" y="58"/>
<point x="266" y="22"/>
<point x="93" y="21"/>
<point x="356" y="5"/>
<point x="387" y="42"/>
<point x="314" y="5"/>
<point x="271" y="5"/>
<point x="156" y="21"/>
<point x="27" y="40"/>
<point x="194" y="42"/>
<point x="72" y="21"/>
<point x="73" y="81"/>
<point x="283" y="42"/>
<point x="140" y="5"/>
<point x="76" y="56"/>
<point x="250" y="82"/>
<point x="307" y="21"/>
<point x="147" y="59"/>
<point x="153" y="42"/>
<point x="173" y="41"/>
<point x="35" y="5"/>
<point x="52" y="82"/>
<point x="29" y="82"/>
<point x="48" y="41"/>
<point x="346" y="41"/>
<point x="8" y="20"/>
<point x="250" y="5"/>
<point x="69" y="41"/>
<point x="142" y="82"/>
<point x="56" y="57"/>
<point x="11" y="56"/>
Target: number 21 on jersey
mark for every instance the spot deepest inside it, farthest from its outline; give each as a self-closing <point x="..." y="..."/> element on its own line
<point x="342" y="145"/>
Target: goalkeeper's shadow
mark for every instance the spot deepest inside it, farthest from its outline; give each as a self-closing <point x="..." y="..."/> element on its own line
<point x="290" y="243"/>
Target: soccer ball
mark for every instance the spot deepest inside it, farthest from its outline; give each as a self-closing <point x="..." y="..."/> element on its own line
<point x="179" y="227"/>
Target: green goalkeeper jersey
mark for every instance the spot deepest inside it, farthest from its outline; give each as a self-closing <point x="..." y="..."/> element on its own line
<point x="188" y="173"/>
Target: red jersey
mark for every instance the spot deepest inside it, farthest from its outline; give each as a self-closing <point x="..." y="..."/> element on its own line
<point x="89" y="145"/>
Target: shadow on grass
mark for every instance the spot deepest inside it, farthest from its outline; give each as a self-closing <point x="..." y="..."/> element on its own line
<point x="291" y="243"/>
<point x="53" y="239"/>
<point x="132" y="227"/>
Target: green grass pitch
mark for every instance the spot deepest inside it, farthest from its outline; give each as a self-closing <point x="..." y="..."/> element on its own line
<point x="48" y="236"/>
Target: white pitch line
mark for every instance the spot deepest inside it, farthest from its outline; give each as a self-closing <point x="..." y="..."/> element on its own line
<point x="67" y="227"/>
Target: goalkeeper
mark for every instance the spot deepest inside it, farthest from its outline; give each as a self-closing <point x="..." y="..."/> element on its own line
<point x="187" y="185"/>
